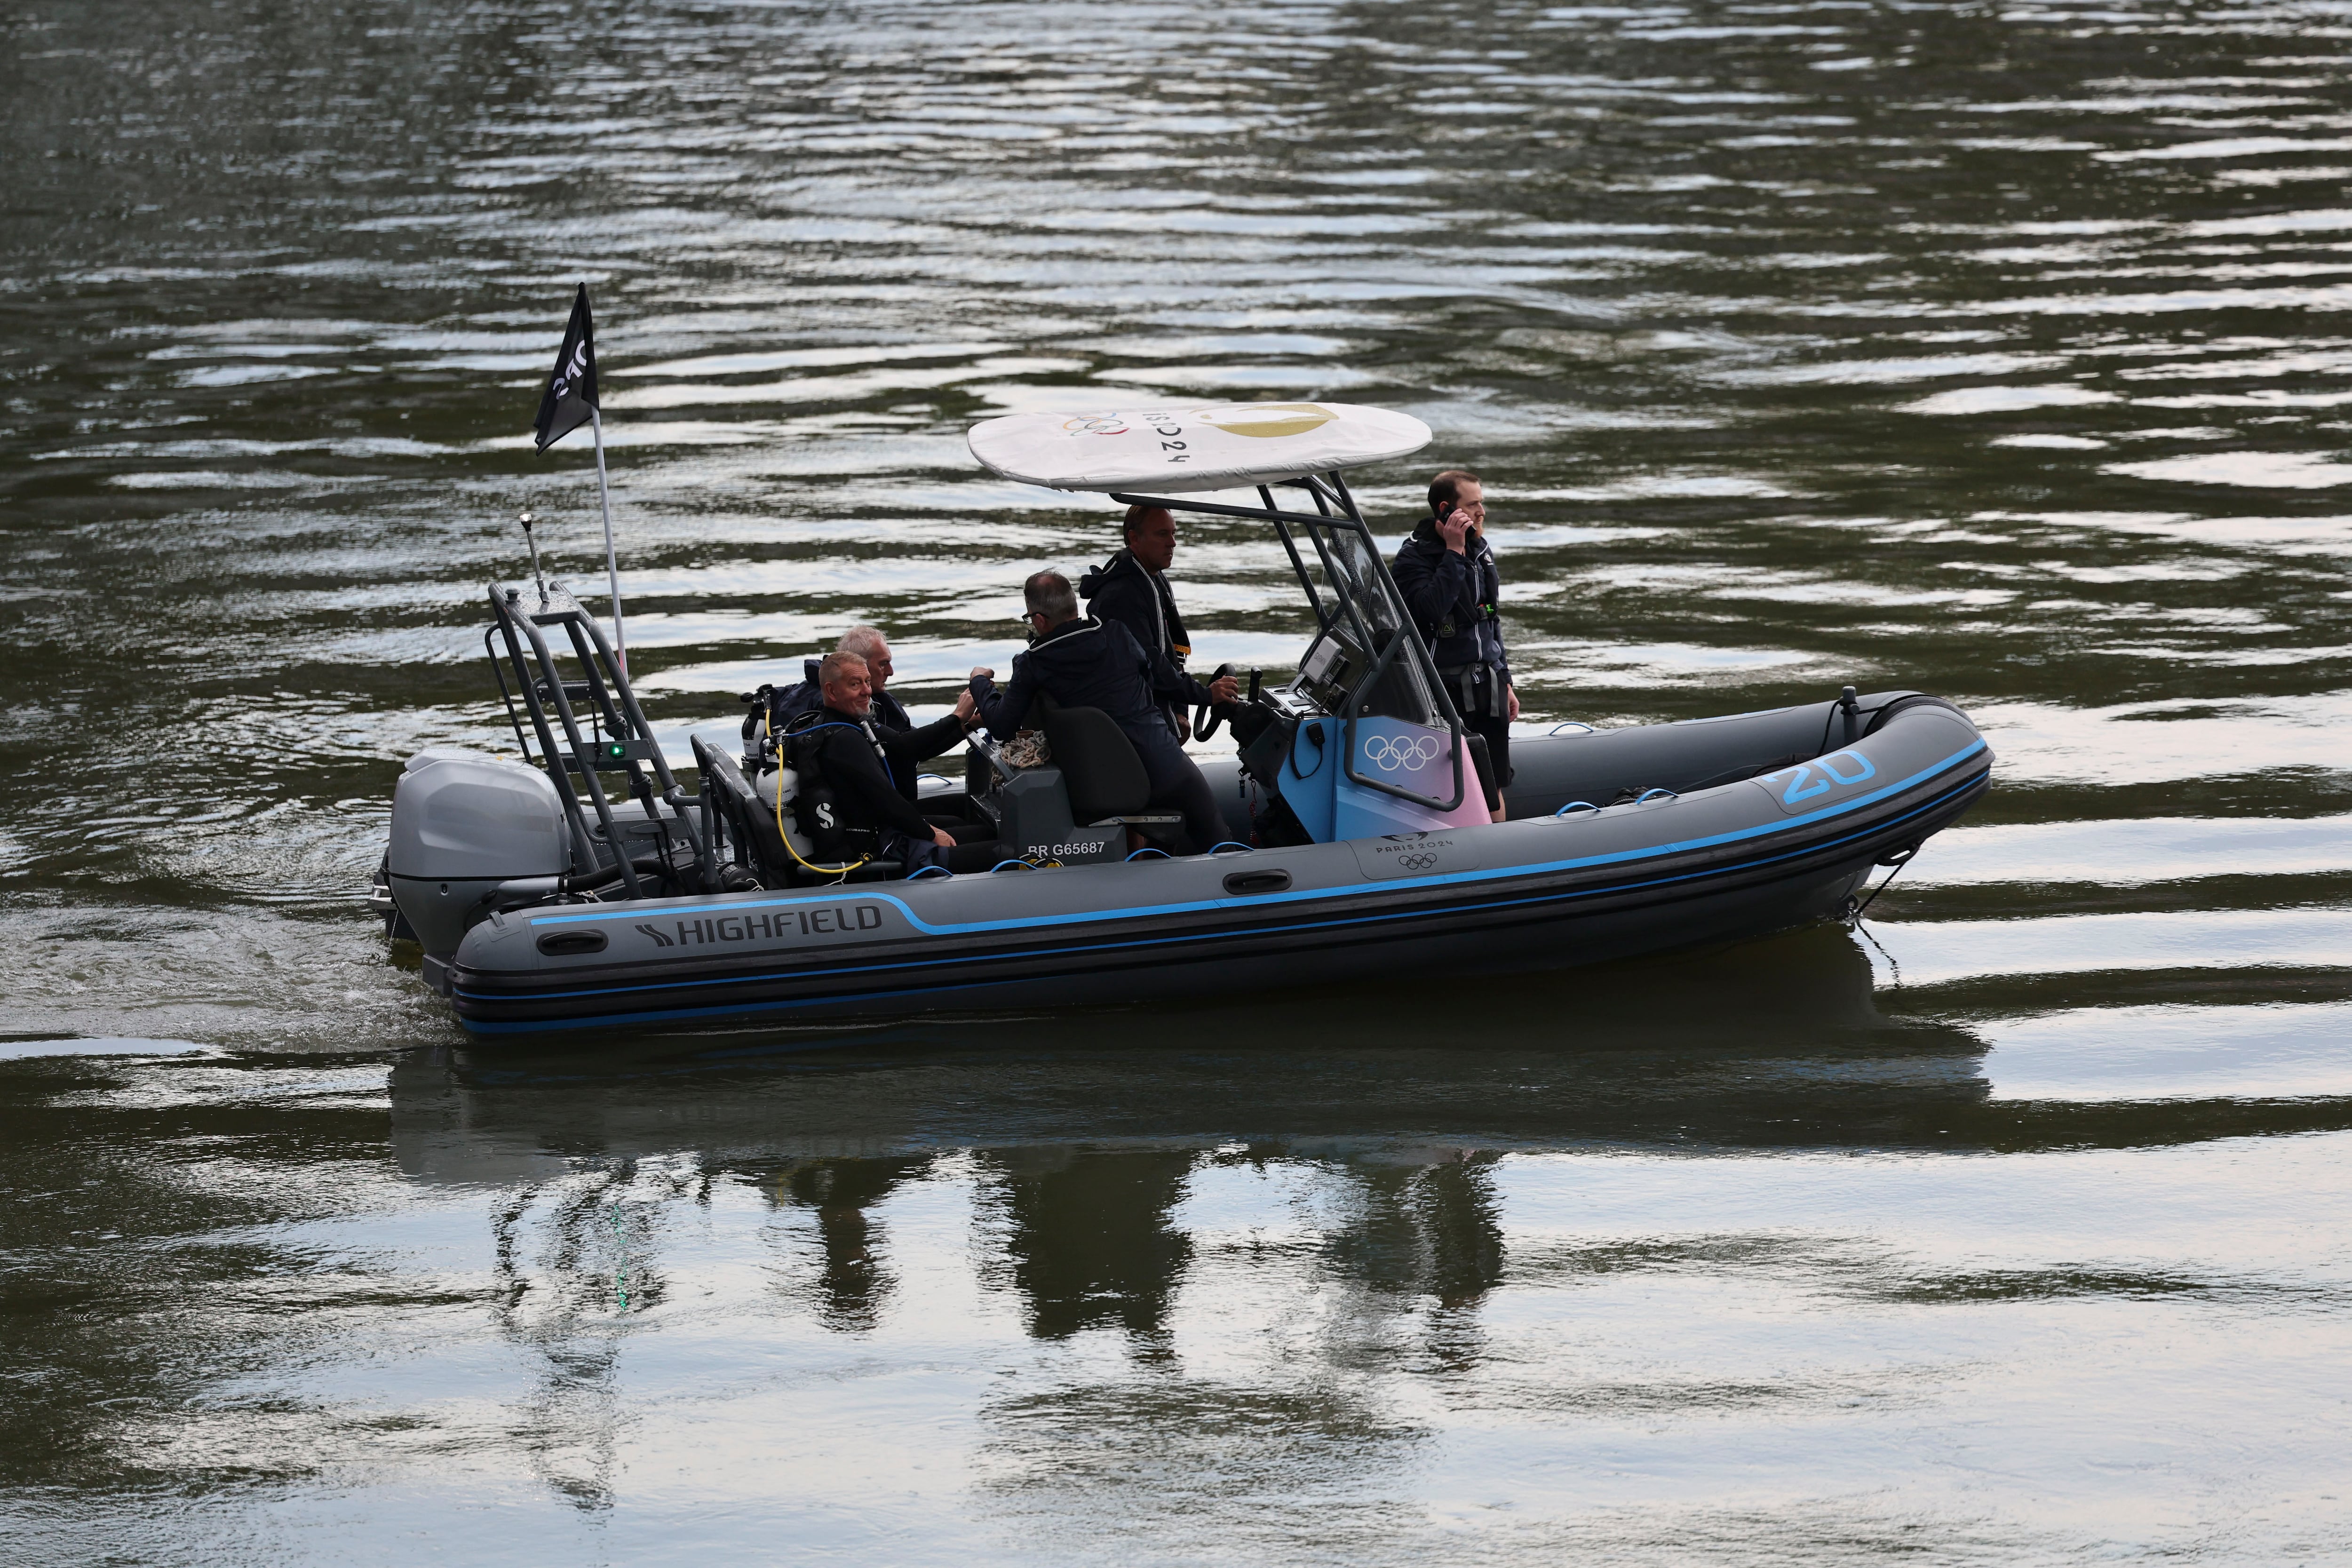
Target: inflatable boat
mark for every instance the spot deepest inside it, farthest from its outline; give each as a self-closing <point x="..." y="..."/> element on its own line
<point x="583" y="886"/>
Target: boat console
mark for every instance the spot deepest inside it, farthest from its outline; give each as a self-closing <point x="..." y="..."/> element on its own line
<point x="1029" y="804"/>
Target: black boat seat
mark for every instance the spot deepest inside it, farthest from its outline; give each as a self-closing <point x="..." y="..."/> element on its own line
<point x="1107" y="785"/>
<point x="752" y="831"/>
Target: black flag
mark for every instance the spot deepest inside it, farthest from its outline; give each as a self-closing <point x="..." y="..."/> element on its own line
<point x="571" y="394"/>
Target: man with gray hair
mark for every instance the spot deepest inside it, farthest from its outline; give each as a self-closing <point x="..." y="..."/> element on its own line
<point x="873" y="649"/>
<point x="846" y="759"/>
<point x="1082" y="662"/>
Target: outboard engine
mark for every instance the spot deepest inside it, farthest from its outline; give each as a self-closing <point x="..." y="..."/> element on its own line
<point x="461" y="825"/>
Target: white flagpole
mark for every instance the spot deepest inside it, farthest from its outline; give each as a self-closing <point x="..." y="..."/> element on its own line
<point x="611" y="562"/>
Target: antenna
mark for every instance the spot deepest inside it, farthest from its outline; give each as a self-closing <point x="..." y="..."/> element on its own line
<point x="527" y="520"/>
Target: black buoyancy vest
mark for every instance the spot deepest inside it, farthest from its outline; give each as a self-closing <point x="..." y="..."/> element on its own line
<point x="816" y="805"/>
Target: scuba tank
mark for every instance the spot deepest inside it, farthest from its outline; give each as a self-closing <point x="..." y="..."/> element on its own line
<point x="823" y="835"/>
<point x="761" y="724"/>
<point x="775" y="782"/>
<point x="782" y="757"/>
<point x="764" y="787"/>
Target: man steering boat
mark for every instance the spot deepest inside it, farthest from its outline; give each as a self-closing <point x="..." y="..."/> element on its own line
<point x="1131" y="588"/>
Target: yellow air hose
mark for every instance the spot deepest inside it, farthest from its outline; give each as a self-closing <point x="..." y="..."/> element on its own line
<point x="787" y="838"/>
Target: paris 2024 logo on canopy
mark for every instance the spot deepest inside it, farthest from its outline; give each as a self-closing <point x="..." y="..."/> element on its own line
<point x="1262" y="421"/>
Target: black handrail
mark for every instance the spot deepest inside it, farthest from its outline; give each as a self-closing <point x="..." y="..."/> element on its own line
<point x="1290" y="547"/>
<point x="525" y="623"/>
<point x="583" y="843"/>
<point x="614" y="706"/>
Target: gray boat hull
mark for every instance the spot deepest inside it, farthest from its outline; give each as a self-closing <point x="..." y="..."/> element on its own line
<point x="1778" y="819"/>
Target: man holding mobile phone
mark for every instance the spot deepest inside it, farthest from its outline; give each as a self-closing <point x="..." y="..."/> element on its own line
<point x="1454" y="590"/>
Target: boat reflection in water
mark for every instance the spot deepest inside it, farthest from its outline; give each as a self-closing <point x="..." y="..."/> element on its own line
<point x="1082" y="1134"/>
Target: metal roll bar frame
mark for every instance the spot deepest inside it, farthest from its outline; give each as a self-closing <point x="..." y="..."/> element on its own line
<point x="614" y="715"/>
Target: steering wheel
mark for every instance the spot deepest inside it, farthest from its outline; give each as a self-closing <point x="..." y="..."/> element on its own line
<point x="1206" y="718"/>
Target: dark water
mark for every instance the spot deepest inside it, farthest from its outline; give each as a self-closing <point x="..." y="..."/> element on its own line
<point x="1994" y="351"/>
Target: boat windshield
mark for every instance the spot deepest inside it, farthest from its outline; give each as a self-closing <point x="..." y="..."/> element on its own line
<point x="1364" y="623"/>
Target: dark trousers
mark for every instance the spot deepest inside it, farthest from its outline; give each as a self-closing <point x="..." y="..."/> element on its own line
<point x="1177" y="783"/>
<point x="1494" y="765"/>
<point x="915" y="854"/>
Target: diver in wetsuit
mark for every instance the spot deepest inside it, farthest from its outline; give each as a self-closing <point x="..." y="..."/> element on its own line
<point x="807" y="696"/>
<point x="1083" y="662"/>
<point x="852" y="754"/>
<point x="1446" y="572"/>
<point x="1131" y="588"/>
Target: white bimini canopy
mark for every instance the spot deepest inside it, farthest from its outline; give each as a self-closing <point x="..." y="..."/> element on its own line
<point x="1187" y="447"/>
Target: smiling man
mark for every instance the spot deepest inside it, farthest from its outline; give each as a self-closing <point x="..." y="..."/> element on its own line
<point x="872" y="649"/>
<point x="848" y="745"/>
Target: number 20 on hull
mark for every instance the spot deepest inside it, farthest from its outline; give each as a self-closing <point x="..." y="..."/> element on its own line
<point x="1819" y="776"/>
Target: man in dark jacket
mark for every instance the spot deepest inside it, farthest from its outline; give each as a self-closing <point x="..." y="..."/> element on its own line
<point x="1083" y="662"/>
<point x="854" y="754"/>
<point x="1453" y="590"/>
<point x="1131" y="588"/>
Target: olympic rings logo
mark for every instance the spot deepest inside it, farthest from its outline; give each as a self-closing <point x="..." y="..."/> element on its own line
<point x="1419" y="862"/>
<point x="1389" y="752"/>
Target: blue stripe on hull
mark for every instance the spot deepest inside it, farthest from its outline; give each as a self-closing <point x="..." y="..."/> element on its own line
<point x="1138" y="912"/>
<point x="1563" y="896"/>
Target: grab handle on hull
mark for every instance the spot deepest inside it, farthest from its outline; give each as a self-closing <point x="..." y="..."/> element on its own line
<point x="1576" y="805"/>
<point x="1243" y="883"/>
<point x="557" y="943"/>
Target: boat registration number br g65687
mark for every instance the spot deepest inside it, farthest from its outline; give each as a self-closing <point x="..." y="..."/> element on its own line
<point x="1081" y="846"/>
